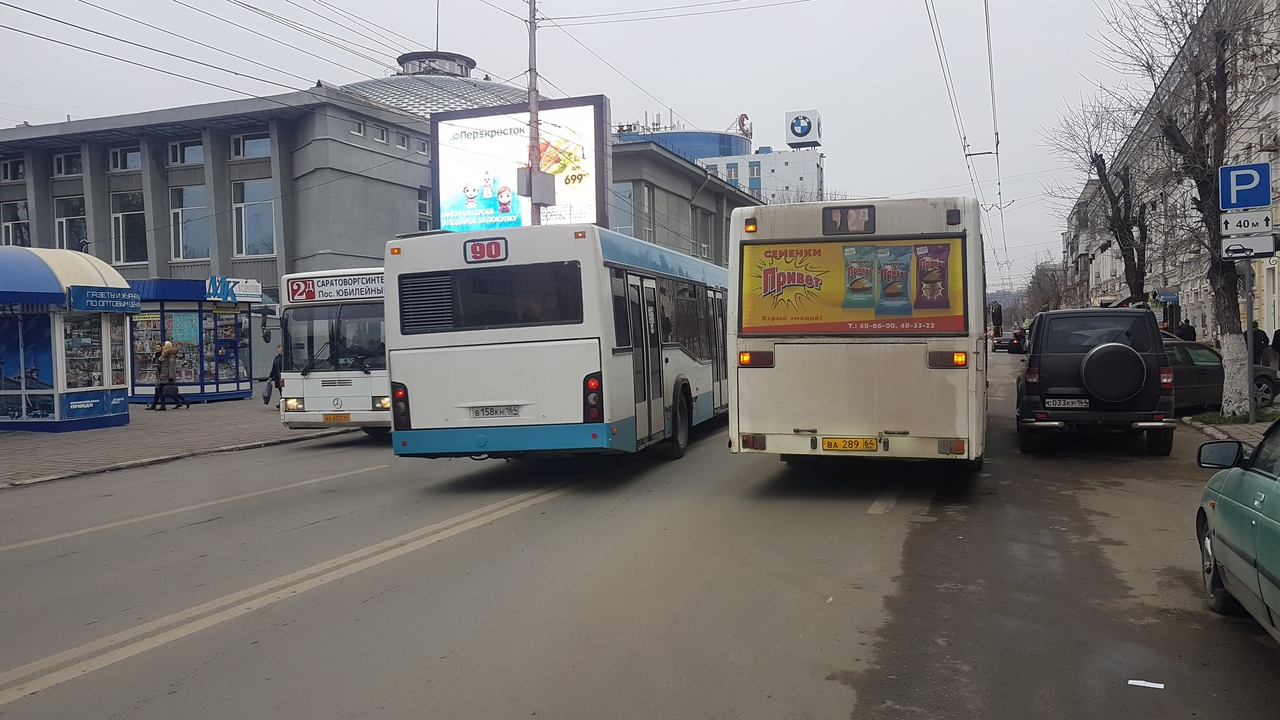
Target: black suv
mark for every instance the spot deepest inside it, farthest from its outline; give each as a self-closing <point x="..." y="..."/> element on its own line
<point x="1096" y="368"/>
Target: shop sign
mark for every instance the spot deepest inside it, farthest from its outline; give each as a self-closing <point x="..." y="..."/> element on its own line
<point x="341" y="287"/>
<point x="147" y="316"/>
<point x="225" y="309"/>
<point x="99" y="299"/>
<point x="220" y="288"/>
<point x="94" y="403"/>
<point x="890" y="287"/>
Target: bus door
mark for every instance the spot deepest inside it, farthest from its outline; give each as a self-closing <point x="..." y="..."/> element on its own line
<point x="715" y="300"/>
<point x="646" y="358"/>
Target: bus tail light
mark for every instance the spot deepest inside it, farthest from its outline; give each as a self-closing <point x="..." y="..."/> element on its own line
<point x="400" y="407"/>
<point x="755" y="358"/>
<point x="752" y="441"/>
<point x="592" y="398"/>
<point x="948" y="359"/>
<point x="1166" y="381"/>
<point x="951" y="446"/>
<point x="751" y="225"/>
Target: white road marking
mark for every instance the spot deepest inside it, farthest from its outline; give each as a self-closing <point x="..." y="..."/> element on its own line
<point x="189" y="508"/>
<point x="241" y="603"/>
<point x="888" y="497"/>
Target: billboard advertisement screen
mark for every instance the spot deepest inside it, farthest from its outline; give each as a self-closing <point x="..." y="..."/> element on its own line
<point x="477" y="154"/>
<point x="888" y="287"/>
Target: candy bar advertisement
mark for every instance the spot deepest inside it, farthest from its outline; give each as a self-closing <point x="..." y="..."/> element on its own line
<point x="477" y="158"/>
<point x="890" y="287"/>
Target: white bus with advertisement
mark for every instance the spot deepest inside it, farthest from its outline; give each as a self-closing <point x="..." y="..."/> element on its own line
<point x="335" y="354"/>
<point x="857" y="330"/>
<point x="554" y="339"/>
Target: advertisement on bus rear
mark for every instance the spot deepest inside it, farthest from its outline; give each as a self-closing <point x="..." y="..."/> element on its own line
<point x="888" y="287"/>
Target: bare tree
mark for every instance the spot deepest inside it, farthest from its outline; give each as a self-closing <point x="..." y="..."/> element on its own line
<point x="1047" y="287"/>
<point x="1199" y="69"/>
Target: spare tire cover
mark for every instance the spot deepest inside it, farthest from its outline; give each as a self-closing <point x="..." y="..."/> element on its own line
<point x="1113" y="372"/>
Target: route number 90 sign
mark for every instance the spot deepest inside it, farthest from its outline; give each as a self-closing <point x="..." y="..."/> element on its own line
<point x="485" y="251"/>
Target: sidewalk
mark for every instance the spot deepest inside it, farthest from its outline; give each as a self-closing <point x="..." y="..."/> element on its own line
<point x="1249" y="434"/>
<point x="150" y="437"/>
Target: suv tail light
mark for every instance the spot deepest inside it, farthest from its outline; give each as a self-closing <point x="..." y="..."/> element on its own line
<point x="1032" y="377"/>
<point x="592" y="398"/>
<point x="1166" y="381"/>
<point x="400" y="407"/>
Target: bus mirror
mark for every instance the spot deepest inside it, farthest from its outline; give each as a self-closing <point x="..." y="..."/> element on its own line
<point x="266" y="335"/>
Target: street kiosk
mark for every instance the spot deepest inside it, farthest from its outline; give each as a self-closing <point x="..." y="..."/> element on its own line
<point x="63" y="341"/>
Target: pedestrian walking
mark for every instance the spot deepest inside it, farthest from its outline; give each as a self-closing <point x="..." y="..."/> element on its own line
<point x="1185" y="331"/>
<point x="157" y="398"/>
<point x="168" y="376"/>
<point x="276" y="379"/>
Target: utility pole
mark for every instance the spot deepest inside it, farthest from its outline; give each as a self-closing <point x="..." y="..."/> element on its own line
<point x="535" y="151"/>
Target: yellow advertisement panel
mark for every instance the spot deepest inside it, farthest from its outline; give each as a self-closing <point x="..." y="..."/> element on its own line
<point x="891" y="287"/>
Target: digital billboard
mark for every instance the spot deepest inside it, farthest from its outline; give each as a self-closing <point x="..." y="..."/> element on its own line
<point x="477" y="154"/>
<point x="886" y="287"/>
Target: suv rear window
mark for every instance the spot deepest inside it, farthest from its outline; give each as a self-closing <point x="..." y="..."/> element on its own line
<point x="1083" y="333"/>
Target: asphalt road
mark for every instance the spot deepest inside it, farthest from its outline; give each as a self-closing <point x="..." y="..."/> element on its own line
<point x="331" y="580"/>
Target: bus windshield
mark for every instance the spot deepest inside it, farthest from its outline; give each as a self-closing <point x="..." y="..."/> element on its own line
<point x="334" y="337"/>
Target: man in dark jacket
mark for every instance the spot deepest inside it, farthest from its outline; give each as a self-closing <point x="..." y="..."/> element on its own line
<point x="275" y="378"/>
<point x="1186" y="330"/>
<point x="1260" y="343"/>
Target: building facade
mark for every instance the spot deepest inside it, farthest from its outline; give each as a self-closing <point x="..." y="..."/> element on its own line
<point x="775" y="177"/>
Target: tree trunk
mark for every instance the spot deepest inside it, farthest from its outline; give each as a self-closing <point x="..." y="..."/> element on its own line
<point x="1236" y="363"/>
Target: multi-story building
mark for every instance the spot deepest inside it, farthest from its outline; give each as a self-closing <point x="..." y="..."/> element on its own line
<point x="775" y="177"/>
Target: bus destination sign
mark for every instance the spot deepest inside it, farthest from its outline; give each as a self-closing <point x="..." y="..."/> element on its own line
<point x="849" y="220"/>
<point x="341" y="287"/>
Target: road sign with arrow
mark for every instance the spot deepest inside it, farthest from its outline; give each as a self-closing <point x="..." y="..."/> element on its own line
<point x="1246" y="223"/>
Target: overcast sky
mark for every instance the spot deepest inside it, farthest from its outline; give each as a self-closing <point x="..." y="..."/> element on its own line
<point x="870" y="68"/>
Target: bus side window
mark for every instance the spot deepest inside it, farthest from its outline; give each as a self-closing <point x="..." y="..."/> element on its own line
<point x="621" y="317"/>
<point x="667" y="307"/>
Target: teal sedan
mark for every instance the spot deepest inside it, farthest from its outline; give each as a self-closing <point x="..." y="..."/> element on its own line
<point x="1238" y="526"/>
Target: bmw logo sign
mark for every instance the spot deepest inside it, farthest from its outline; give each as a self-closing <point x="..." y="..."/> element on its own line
<point x="801" y="126"/>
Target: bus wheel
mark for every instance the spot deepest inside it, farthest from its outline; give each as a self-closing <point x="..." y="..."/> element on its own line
<point x="678" y="443"/>
<point x="376" y="431"/>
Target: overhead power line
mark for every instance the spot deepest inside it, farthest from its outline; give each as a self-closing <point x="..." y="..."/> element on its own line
<point x="650" y="10"/>
<point x="371" y="25"/>
<point x="320" y="35"/>
<point x="326" y="18"/>
<point x="683" y="15"/>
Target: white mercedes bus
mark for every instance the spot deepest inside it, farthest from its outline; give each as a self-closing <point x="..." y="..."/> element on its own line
<point x="858" y="330"/>
<point x="335" y="355"/>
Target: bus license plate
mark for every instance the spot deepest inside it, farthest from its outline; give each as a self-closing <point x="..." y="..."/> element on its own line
<point x="851" y="444"/>
<point x="337" y="417"/>
<point x="1080" y="403"/>
<point x="496" y="411"/>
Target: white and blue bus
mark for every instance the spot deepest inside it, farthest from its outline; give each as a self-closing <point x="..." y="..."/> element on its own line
<point x="550" y="340"/>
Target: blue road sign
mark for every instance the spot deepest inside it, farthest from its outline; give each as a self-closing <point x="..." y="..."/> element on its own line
<point x="1244" y="186"/>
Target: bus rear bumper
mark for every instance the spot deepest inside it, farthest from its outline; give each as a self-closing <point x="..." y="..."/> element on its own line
<point x="516" y="440"/>
<point x="897" y="447"/>
<point x="337" y="419"/>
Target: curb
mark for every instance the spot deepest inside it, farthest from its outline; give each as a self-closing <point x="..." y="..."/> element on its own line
<point x="177" y="456"/>
<point x="1208" y="430"/>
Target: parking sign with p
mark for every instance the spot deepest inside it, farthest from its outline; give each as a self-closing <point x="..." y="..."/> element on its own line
<point x="1244" y="186"/>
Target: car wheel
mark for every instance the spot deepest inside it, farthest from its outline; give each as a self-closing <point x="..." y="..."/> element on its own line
<point x="1029" y="442"/>
<point x="1215" y="595"/>
<point x="1264" y="392"/>
<point x="1159" y="442"/>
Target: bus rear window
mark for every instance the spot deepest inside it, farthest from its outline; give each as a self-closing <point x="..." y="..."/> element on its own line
<point x="491" y="297"/>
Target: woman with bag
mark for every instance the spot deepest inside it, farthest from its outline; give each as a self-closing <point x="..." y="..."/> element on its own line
<point x="275" y="380"/>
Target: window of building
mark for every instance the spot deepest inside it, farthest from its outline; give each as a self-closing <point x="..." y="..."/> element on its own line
<point x="128" y="228"/>
<point x="15" y="224"/>
<point x="190" y="152"/>
<point x="68" y="164"/>
<point x="731" y="171"/>
<point x="422" y="147"/>
<point x="70" y="225"/>
<point x="129" y="158"/>
<point x="13" y="170"/>
<point x="189" y="226"/>
<point x="753" y="170"/>
<point x="379" y="134"/>
<point x="253" y="214"/>
<point x="713" y="169"/>
<point x="251" y="145"/>
<point x="700" y="223"/>
<point x="424" y="209"/>
<point x="622" y="209"/>
<point x="645" y="217"/>
<point x="402" y="141"/>
<point x="357" y="127"/>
